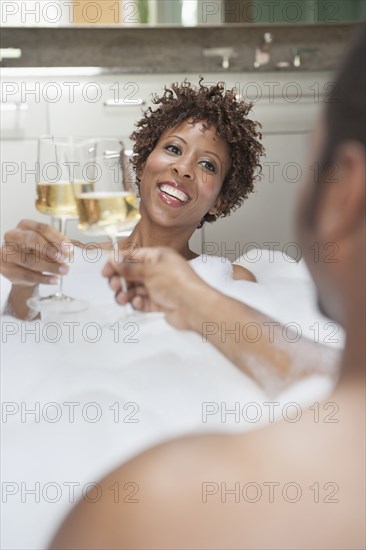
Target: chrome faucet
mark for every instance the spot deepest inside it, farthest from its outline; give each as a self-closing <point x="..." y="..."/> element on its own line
<point x="262" y="54"/>
<point x="225" y="53"/>
<point x="298" y="53"/>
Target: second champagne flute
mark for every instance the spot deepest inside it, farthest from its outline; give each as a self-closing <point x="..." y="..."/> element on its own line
<point x="111" y="208"/>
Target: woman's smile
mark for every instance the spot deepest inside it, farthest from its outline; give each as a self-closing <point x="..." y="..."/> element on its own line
<point x="173" y="194"/>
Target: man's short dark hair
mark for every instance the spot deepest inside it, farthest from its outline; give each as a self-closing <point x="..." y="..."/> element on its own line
<point x="345" y="115"/>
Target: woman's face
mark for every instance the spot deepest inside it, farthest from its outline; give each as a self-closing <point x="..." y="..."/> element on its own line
<point x="183" y="175"/>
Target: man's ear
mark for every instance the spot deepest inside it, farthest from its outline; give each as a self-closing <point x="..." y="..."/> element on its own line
<point x="343" y="202"/>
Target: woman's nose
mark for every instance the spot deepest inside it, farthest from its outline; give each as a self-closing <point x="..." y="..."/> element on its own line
<point x="183" y="169"/>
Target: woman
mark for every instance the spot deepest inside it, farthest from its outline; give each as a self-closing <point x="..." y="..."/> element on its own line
<point x="195" y="158"/>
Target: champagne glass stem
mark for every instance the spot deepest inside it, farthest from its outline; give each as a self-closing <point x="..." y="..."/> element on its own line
<point x="116" y="257"/>
<point x="60" y="225"/>
<point x="128" y="308"/>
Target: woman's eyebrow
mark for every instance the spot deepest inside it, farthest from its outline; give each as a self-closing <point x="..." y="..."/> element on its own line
<point x="178" y="137"/>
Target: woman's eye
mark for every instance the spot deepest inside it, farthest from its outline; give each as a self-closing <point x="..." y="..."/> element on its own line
<point x="173" y="149"/>
<point x="210" y="166"/>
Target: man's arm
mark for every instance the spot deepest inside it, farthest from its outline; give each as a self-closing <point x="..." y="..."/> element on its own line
<point x="255" y="343"/>
<point x="162" y="277"/>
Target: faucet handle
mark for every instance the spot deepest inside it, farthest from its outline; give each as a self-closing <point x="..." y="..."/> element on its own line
<point x="225" y="53"/>
<point x="298" y="52"/>
<point x="262" y="54"/>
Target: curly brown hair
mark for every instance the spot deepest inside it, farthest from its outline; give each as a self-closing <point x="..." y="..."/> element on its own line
<point x="218" y="108"/>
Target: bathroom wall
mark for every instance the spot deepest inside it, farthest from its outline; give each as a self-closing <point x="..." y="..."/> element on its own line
<point x="174" y="49"/>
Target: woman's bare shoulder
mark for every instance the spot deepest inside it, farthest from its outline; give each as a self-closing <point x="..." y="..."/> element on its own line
<point x="241" y="273"/>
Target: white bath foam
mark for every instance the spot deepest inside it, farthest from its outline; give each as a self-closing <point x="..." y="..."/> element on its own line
<point x="168" y="373"/>
<point x="268" y="265"/>
<point x="164" y="374"/>
<point x="218" y="272"/>
<point x="284" y="291"/>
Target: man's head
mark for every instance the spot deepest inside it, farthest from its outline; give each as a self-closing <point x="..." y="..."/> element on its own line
<point x="332" y="202"/>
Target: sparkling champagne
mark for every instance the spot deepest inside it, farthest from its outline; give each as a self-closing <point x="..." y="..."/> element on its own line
<point x="58" y="200"/>
<point x="107" y="212"/>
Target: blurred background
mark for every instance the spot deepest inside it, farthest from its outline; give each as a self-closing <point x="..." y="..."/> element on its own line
<point x="89" y="68"/>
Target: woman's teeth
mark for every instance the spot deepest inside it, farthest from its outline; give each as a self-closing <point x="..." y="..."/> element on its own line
<point x="173" y="192"/>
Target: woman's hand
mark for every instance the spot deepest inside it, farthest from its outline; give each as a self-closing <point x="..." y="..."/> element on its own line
<point x="159" y="279"/>
<point x="34" y="253"/>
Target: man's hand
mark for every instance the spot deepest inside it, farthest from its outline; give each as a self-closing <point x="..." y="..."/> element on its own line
<point x="159" y="279"/>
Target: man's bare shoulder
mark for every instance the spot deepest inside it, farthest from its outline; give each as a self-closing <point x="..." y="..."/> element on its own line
<point x="282" y="486"/>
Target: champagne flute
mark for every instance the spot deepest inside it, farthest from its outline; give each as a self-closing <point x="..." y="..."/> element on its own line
<point x="111" y="207"/>
<point x="58" y="162"/>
